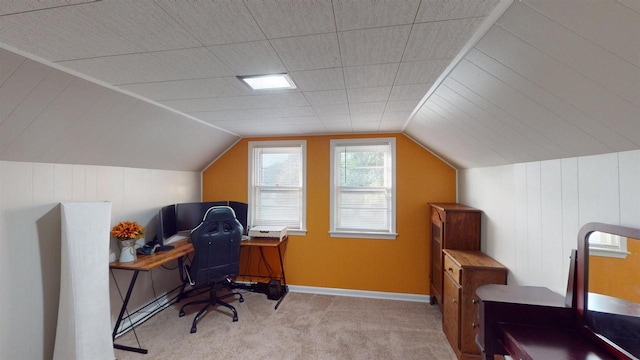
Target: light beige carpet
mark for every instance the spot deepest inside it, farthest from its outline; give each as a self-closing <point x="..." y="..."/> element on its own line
<point x="305" y="326"/>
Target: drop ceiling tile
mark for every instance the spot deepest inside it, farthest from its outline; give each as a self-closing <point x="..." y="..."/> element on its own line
<point x="339" y="127"/>
<point x="311" y="129"/>
<point x="372" y="118"/>
<point x="142" y="23"/>
<point x="439" y="40"/>
<point x="308" y="52"/>
<point x="330" y="110"/>
<point x="292" y="18"/>
<point x="188" y="89"/>
<point x="370" y="94"/>
<point x="314" y="80"/>
<point x="326" y="97"/>
<point x="214" y="22"/>
<point x="62" y="34"/>
<point x="331" y="120"/>
<point x="366" y="108"/>
<point x="421" y="72"/>
<point x="228" y="115"/>
<point x="395" y="118"/>
<point x="386" y="126"/>
<point x="250" y="58"/>
<point x="295" y="111"/>
<point x="408" y="92"/>
<point x="192" y="63"/>
<point x="365" y="126"/>
<point x="373" y="46"/>
<point x="286" y="100"/>
<point x="217" y="104"/>
<point x="370" y="75"/>
<point x="148" y="67"/>
<point x="402" y="105"/>
<point x="352" y="15"/>
<point x="437" y="10"/>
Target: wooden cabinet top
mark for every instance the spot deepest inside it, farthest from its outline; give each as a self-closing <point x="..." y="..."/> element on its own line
<point x="473" y="259"/>
<point x="453" y="207"/>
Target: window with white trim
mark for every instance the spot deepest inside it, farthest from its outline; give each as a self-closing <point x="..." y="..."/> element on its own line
<point x="604" y="244"/>
<point x="363" y="192"/>
<point x="277" y="184"/>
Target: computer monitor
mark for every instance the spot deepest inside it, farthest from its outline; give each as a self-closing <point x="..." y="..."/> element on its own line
<point x="182" y="218"/>
<point x="166" y="224"/>
<point x="190" y="215"/>
<point x="241" y="210"/>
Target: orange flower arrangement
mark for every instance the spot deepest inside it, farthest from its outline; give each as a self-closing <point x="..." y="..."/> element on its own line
<point x="128" y="230"/>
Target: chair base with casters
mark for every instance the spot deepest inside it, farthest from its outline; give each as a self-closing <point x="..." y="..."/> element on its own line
<point x="213" y="299"/>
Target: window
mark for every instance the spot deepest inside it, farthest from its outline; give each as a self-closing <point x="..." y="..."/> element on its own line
<point x="603" y="244"/>
<point x="277" y="181"/>
<point x="363" y="199"/>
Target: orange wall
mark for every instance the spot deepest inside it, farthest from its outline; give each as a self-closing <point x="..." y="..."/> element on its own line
<point x="617" y="277"/>
<point x="399" y="265"/>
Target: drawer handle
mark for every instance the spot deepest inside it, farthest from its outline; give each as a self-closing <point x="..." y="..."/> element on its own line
<point x="474" y="302"/>
<point x="475" y="325"/>
<point x="450" y="269"/>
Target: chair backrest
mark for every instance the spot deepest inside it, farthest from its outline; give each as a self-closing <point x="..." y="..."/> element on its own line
<point x="216" y="242"/>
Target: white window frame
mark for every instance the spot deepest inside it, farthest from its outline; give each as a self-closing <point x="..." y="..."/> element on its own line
<point x="302" y="144"/>
<point x="390" y="234"/>
<point x="607" y="245"/>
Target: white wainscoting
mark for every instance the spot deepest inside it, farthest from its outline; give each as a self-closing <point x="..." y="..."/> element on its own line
<point x="533" y="211"/>
<point x="30" y="194"/>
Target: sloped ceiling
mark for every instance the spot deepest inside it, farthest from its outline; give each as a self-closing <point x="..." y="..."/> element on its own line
<point x="551" y="79"/>
<point x="156" y="86"/>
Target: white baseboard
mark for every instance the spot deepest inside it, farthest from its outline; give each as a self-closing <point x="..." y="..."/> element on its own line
<point x="359" y="293"/>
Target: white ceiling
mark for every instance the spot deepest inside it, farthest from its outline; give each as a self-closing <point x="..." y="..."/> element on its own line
<point x="550" y="79"/>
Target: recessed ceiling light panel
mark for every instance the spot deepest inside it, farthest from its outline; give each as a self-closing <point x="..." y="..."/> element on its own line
<point x="268" y="82"/>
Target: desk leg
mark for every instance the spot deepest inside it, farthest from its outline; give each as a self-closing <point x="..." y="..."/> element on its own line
<point x="182" y="278"/>
<point x="284" y="280"/>
<point x="122" y="310"/>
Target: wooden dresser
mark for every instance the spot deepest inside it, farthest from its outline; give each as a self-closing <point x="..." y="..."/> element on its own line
<point x="465" y="272"/>
<point x="453" y="226"/>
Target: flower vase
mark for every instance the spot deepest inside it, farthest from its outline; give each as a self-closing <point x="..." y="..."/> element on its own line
<point x="127" y="251"/>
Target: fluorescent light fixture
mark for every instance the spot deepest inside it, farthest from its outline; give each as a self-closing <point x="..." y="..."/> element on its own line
<point x="264" y="82"/>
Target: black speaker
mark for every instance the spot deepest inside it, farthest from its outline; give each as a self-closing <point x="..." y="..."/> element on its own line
<point x="275" y="290"/>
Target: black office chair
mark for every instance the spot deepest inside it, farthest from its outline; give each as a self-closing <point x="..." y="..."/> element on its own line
<point x="217" y="258"/>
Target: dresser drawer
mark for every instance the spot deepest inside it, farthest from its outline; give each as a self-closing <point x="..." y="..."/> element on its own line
<point x="453" y="269"/>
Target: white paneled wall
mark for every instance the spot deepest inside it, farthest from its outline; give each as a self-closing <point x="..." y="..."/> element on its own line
<point x="30" y="194"/>
<point x="533" y="211"/>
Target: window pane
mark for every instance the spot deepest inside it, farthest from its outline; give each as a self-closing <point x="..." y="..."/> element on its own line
<point x="279" y="166"/>
<point x="362" y="165"/>
<point x="362" y="186"/>
<point x="278" y="207"/>
<point x="365" y="210"/>
<point x="276" y="177"/>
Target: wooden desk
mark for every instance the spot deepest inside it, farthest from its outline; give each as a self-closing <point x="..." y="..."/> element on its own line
<point x="146" y="263"/>
<point x="262" y="243"/>
<point x="529" y="322"/>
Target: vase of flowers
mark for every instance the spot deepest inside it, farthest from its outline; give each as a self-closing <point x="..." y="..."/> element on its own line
<point x="127" y="232"/>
